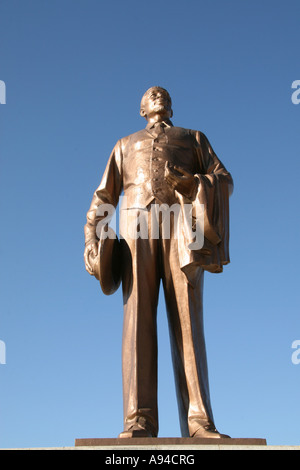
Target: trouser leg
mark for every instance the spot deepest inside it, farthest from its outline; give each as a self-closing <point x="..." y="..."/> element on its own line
<point x="185" y="316"/>
<point x="139" y="351"/>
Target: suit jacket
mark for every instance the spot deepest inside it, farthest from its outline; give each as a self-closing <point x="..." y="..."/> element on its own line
<point x="137" y="167"/>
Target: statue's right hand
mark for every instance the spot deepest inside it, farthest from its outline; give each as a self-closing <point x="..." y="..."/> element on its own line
<point x="91" y="251"/>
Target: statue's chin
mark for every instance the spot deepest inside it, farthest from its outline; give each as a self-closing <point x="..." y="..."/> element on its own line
<point x="160" y="109"/>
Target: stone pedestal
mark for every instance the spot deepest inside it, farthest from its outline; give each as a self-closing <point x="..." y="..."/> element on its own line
<point x="168" y="443"/>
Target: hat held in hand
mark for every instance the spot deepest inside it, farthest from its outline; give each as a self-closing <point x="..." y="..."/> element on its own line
<point x="107" y="265"/>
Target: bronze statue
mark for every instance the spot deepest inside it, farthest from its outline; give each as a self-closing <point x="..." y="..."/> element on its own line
<point x="163" y="166"/>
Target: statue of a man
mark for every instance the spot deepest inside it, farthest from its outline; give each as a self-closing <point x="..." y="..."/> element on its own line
<point x="164" y="165"/>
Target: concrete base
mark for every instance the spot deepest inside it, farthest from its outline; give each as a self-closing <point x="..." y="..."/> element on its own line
<point x="169" y="449"/>
<point x="114" y="448"/>
<point x="176" y="444"/>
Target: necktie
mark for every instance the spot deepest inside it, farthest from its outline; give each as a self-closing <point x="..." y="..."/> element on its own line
<point x="159" y="128"/>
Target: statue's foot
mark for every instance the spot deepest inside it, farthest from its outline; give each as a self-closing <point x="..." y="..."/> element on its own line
<point x="135" y="432"/>
<point x="139" y="429"/>
<point x="209" y="432"/>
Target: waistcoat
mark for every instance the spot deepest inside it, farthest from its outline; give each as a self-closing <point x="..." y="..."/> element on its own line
<point x="143" y="164"/>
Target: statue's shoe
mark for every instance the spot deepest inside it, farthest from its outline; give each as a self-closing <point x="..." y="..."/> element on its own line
<point x="209" y="432"/>
<point x="139" y="429"/>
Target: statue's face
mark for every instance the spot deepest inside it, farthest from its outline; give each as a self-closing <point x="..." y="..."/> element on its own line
<point x="157" y="102"/>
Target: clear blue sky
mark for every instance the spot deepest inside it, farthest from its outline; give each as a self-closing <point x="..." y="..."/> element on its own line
<point x="75" y="71"/>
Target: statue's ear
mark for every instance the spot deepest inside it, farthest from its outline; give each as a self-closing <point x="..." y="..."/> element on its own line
<point x="142" y="113"/>
<point x="171" y="113"/>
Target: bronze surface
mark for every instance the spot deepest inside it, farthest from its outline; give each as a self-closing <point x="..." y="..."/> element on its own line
<point x="164" y="164"/>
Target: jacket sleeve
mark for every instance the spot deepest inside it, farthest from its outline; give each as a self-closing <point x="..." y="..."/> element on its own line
<point x="108" y="192"/>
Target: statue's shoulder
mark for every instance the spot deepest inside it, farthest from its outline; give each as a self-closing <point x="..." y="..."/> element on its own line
<point x="186" y="130"/>
<point x="197" y="135"/>
<point x="134" y="135"/>
<point x="188" y="133"/>
<point x="131" y="138"/>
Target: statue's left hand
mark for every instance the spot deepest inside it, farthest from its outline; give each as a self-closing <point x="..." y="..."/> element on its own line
<point x="183" y="181"/>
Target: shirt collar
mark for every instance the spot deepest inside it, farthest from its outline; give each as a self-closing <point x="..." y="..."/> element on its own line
<point x="166" y="122"/>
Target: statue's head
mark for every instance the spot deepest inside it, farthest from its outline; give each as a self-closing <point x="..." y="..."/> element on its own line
<point x="156" y="102"/>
